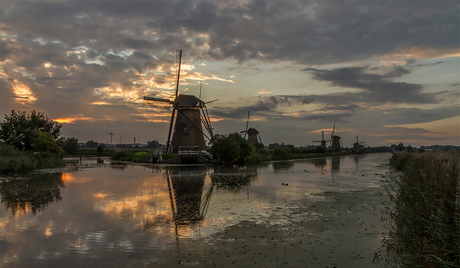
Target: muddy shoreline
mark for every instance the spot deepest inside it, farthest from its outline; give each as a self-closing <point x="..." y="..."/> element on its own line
<point x="343" y="230"/>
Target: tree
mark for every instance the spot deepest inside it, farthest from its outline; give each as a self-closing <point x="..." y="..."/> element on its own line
<point x="44" y="142"/>
<point x="70" y="145"/>
<point x="91" y="144"/>
<point x="153" y="144"/>
<point x="225" y="149"/>
<point x="231" y="148"/>
<point x="400" y="147"/>
<point x="23" y="131"/>
<point x="100" y="149"/>
<point x="281" y="153"/>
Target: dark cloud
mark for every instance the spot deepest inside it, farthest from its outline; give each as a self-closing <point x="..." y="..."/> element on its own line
<point x="89" y="46"/>
<point x="376" y="87"/>
<point x="302" y="31"/>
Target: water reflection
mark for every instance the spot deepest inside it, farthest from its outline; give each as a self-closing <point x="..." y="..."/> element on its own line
<point x="335" y="166"/>
<point x="233" y="178"/>
<point x="24" y="195"/>
<point x="186" y="186"/>
<point x="318" y="162"/>
<point x="285" y="165"/>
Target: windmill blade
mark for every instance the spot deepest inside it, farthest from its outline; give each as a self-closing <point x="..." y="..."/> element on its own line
<point x="247" y="124"/>
<point x="333" y="129"/>
<point x="357" y="140"/>
<point x="147" y="98"/>
<point x="178" y="54"/>
<point x="170" y="130"/>
<point x="211" y="101"/>
<point x="341" y="142"/>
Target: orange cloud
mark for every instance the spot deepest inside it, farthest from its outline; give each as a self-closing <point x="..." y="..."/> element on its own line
<point x="71" y="120"/>
<point x="23" y="93"/>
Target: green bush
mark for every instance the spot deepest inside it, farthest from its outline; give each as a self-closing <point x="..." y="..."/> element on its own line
<point x="232" y="148"/>
<point x="256" y="159"/>
<point x="120" y="155"/>
<point x="12" y="160"/>
<point x="281" y="153"/>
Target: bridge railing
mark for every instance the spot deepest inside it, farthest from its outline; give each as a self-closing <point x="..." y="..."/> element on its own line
<point x="192" y="150"/>
<point x="188" y="150"/>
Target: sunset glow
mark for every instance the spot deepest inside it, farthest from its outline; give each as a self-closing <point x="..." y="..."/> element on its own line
<point x="375" y="70"/>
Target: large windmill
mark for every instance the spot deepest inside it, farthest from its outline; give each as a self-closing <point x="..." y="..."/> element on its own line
<point x="322" y="141"/>
<point x="335" y="142"/>
<point x="252" y="133"/>
<point x="188" y="115"/>
<point x="357" y="145"/>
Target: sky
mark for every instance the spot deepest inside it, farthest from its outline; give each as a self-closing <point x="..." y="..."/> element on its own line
<point x="385" y="71"/>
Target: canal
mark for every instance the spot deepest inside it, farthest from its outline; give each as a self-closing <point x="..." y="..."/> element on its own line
<point x="321" y="212"/>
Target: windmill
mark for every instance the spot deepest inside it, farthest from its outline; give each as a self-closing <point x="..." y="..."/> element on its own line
<point x="357" y="145"/>
<point x="335" y="142"/>
<point x="188" y="115"/>
<point x="252" y="133"/>
<point x="322" y="141"/>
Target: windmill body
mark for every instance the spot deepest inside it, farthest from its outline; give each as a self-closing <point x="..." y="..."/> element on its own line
<point x="188" y="132"/>
<point x="252" y="134"/>
<point x="335" y="142"/>
<point x="322" y="141"/>
<point x="357" y="146"/>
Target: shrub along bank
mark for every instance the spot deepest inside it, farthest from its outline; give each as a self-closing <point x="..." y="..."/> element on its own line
<point x="425" y="211"/>
<point x="12" y="160"/>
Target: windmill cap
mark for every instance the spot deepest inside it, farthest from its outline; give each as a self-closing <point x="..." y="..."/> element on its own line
<point x="187" y="101"/>
<point x="253" y="131"/>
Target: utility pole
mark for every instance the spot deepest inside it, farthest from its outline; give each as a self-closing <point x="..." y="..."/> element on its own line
<point x="111" y="134"/>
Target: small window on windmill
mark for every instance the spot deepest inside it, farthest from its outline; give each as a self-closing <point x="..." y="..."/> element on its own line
<point x="185" y="130"/>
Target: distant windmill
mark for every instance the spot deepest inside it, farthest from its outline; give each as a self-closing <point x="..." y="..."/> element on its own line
<point x="357" y="145"/>
<point x="252" y="133"/>
<point x="191" y="115"/>
<point x="111" y="134"/>
<point x="335" y="142"/>
<point x="322" y="141"/>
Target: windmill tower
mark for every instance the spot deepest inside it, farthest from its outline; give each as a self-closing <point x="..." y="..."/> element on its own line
<point x="188" y="115"/>
<point x="322" y="141"/>
<point x="335" y="142"/>
<point x="357" y="145"/>
<point x="251" y="133"/>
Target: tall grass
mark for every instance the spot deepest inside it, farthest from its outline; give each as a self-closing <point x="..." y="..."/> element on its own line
<point x="12" y="160"/>
<point x="425" y="211"/>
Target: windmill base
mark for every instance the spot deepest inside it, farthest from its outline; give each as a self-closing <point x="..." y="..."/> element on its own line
<point x="186" y="159"/>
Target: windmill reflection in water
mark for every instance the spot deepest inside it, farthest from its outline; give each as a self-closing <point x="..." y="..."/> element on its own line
<point x="190" y="195"/>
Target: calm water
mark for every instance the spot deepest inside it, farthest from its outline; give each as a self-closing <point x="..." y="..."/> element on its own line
<point x="108" y="215"/>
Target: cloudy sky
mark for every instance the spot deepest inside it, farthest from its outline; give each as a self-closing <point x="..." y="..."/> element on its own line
<point x="387" y="71"/>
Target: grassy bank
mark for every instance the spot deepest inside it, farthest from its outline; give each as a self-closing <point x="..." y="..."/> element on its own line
<point x="12" y="160"/>
<point x="425" y="211"/>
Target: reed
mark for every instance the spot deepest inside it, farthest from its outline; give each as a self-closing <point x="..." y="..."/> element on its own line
<point x="424" y="211"/>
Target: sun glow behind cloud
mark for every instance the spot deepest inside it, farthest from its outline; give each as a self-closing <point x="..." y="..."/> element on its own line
<point x="23" y="93"/>
<point x="71" y="120"/>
